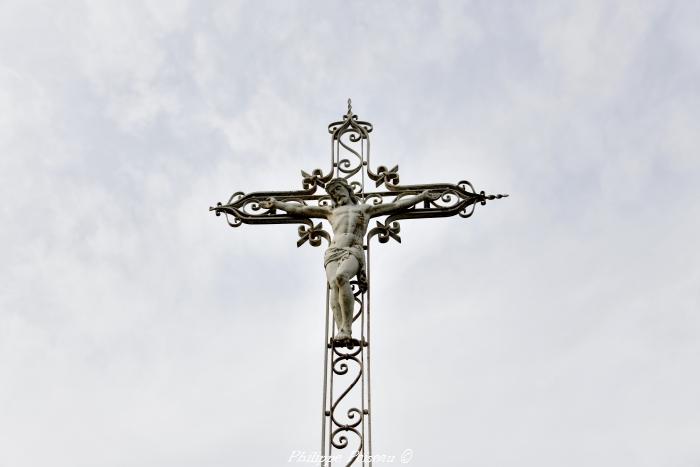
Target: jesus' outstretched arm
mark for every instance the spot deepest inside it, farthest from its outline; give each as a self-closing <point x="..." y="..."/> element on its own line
<point x="405" y="203"/>
<point x="296" y="209"/>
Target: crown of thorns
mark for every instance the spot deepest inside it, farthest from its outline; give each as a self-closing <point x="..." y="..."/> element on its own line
<point x="339" y="181"/>
<point x="344" y="183"/>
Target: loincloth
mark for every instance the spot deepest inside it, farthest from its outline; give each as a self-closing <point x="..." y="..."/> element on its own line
<point x="338" y="254"/>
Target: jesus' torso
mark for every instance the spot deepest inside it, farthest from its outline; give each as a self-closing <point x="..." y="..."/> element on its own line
<point x="349" y="224"/>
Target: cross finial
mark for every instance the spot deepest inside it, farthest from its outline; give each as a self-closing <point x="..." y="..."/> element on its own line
<point x="349" y="105"/>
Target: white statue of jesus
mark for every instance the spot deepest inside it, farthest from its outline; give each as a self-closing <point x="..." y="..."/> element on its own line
<point x="345" y="257"/>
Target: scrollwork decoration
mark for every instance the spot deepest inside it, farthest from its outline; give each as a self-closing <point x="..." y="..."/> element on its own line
<point x="313" y="234"/>
<point x="384" y="176"/>
<point x="385" y="232"/>
<point x="353" y="416"/>
<point x="315" y="178"/>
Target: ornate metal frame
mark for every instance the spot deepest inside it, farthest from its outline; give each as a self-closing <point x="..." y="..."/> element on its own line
<point x="350" y="159"/>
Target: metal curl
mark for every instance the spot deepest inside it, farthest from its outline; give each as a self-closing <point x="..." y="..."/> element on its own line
<point x="315" y="178"/>
<point x="357" y="315"/>
<point x="229" y="213"/>
<point x="341" y="353"/>
<point x="463" y="184"/>
<point x="355" y="288"/>
<point x="351" y="355"/>
<point x="389" y="177"/>
<point x="375" y="199"/>
<point x="217" y="209"/>
<point x="340" y="369"/>
<point x="466" y="212"/>
<point x="313" y="234"/>
<point x="237" y="222"/>
<point x="342" y="441"/>
<point x="358" y="291"/>
<point x="253" y="205"/>
<point x="354" y="136"/>
<point x="235" y="197"/>
<point x="351" y="422"/>
<point x="354" y="412"/>
<point x="446" y="197"/>
<point x="385" y="232"/>
<point x="350" y="122"/>
<point x="345" y="165"/>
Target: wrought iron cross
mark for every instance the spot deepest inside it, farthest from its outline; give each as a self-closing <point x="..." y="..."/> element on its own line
<point x="348" y="207"/>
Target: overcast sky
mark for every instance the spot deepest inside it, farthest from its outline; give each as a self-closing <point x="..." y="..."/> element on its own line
<point x="557" y="327"/>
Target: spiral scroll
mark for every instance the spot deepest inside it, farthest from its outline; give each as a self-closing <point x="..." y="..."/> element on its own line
<point x="350" y="139"/>
<point x="346" y="407"/>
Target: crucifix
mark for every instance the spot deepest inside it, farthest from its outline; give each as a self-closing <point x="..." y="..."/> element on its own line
<point x="349" y="208"/>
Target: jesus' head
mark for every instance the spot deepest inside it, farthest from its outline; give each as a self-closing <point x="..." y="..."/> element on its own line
<point x="340" y="192"/>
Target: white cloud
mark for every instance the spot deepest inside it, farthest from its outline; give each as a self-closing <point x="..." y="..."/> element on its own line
<point x="557" y="326"/>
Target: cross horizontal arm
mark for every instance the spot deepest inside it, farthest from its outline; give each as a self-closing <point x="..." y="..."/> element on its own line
<point x="450" y="199"/>
<point x="244" y="208"/>
<point x="397" y="203"/>
<point x="247" y="209"/>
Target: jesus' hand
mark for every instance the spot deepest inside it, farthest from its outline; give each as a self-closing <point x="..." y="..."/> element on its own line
<point x="268" y="203"/>
<point x="431" y="195"/>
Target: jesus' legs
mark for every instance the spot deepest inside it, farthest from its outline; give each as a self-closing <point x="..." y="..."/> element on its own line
<point x="346" y="270"/>
<point x="342" y="300"/>
<point x="335" y="306"/>
<point x="331" y="271"/>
